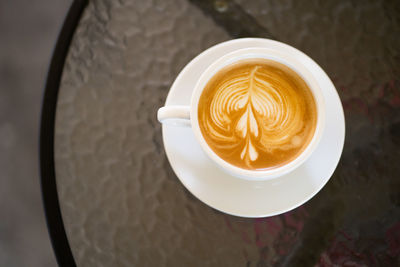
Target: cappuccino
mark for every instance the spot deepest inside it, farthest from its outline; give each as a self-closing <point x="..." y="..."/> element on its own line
<point x="257" y="114"/>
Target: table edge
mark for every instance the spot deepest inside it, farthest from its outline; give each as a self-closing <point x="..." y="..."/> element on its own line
<point x="55" y="225"/>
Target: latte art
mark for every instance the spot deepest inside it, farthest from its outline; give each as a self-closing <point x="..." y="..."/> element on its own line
<point x="257" y="114"/>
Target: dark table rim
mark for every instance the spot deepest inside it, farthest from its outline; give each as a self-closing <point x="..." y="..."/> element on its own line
<point x="51" y="205"/>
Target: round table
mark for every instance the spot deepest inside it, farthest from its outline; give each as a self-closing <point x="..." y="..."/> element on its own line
<point x="110" y="195"/>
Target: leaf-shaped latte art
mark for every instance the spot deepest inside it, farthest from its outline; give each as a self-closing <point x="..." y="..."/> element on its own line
<point x="254" y="111"/>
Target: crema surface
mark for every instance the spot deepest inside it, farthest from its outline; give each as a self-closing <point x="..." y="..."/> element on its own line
<point x="257" y="114"/>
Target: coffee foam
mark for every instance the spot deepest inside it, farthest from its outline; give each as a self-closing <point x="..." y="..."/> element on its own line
<point x="254" y="108"/>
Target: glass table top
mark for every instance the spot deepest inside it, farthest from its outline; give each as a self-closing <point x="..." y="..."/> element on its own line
<point x="122" y="204"/>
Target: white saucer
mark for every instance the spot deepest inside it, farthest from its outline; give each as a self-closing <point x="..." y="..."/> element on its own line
<point x="240" y="197"/>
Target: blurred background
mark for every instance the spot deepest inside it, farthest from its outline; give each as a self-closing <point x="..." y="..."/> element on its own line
<point x="28" y="32"/>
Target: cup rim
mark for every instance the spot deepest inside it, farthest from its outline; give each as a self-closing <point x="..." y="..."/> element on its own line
<point x="256" y="53"/>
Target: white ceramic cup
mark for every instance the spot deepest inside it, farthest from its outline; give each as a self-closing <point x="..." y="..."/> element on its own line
<point x="188" y="115"/>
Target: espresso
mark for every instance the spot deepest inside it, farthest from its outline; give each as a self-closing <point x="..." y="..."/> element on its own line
<point x="257" y="114"/>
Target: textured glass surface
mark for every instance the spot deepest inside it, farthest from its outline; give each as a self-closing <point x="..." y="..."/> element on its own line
<point x="121" y="203"/>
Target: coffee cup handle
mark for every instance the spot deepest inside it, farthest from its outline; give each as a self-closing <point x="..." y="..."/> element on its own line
<point x="174" y="115"/>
